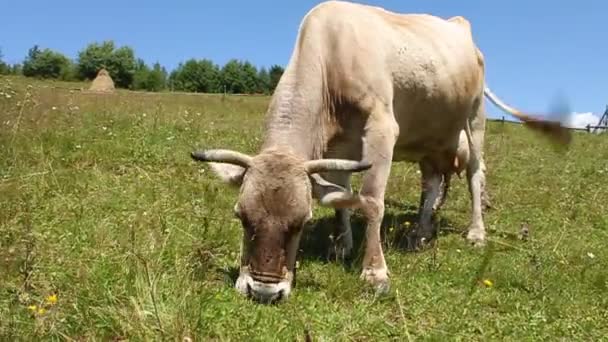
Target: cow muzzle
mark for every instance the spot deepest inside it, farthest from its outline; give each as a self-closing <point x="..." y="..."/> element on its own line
<point x="264" y="291"/>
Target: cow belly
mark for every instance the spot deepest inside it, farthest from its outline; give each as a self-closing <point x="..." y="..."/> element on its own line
<point x="427" y="133"/>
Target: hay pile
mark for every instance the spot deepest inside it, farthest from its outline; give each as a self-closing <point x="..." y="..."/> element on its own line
<point x="103" y="82"/>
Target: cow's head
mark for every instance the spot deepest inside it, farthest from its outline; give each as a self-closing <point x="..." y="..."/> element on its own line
<point x="274" y="203"/>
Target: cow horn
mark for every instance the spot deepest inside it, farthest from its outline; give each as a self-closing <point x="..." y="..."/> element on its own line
<point x="323" y="165"/>
<point x="222" y="156"/>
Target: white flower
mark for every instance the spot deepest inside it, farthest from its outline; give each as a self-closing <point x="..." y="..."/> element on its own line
<point x="590" y="255"/>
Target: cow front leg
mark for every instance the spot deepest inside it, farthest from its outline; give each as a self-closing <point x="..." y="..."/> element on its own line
<point x="379" y="141"/>
<point x="342" y="244"/>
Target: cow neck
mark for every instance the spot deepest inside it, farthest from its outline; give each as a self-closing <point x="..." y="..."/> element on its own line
<point x="296" y="116"/>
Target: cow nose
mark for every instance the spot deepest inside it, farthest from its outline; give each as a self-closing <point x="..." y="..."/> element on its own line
<point x="267" y="293"/>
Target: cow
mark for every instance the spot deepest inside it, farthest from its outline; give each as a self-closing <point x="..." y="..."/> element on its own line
<point x="363" y="87"/>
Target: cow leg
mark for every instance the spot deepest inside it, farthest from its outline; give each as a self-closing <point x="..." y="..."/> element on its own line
<point x="485" y="198"/>
<point x="431" y="187"/>
<point x="381" y="133"/>
<point x="443" y="192"/>
<point x="475" y="177"/>
<point x="343" y="236"/>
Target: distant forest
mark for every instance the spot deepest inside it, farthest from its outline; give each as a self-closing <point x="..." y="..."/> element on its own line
<point x="129" y="72"/>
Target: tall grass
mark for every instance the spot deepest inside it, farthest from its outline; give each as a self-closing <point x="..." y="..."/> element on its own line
<point x="101" y="206"/>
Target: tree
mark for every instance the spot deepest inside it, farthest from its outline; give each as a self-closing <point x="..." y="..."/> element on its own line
<point x="239" y="77"/>
<point x="202" y="76"/>
<point x="120" y="62"/>
<point x="44" y="63"/>
<point x="276" y="71"/>
<point x="263" y="81"/>
<point x="69" y="73"/>
<point x="16" y="69"/>
<point x="4" y="68"/>
<point x="249" y="73"/>
<point x="232" y="80"/>
<point x="154" y="79"/>
<point x="157" y="79"/>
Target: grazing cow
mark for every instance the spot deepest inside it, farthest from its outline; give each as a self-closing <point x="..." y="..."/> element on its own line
<point x="363" y="87"/>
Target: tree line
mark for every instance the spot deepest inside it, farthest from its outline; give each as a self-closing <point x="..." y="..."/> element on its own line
<point x="129" y="72"/>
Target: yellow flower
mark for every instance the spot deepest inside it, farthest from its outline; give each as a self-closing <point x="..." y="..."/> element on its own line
<point x="407" y="223"/>
<point x="32" y="307"/>
<point x="52" y="299"/>
<point x="41" y="311"/>
<point x="488" y="283"/>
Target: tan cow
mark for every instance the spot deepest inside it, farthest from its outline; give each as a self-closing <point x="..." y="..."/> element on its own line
<point x="363" y="87"/>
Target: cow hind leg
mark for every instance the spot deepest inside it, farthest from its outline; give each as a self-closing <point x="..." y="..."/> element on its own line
<point x="425" y="231"/>
<point x="342" y="242"/>
<point x="485" y="197"/>
<point x="443" y="192"/>
<point x="476" y="178"/>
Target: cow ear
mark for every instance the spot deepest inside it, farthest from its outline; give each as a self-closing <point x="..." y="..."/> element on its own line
<point x="333" y="195"/>
<point x="229" y="173"/>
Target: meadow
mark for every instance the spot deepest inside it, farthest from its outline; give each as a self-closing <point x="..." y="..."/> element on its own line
<point x="109" y="231"/>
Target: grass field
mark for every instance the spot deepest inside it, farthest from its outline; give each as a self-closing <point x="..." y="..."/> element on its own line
<point x="109" y="231"/>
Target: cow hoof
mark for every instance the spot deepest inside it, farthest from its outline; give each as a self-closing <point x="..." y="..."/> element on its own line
<point x="340" y="249"/>
<point x="486" y="205"/>
<point x="477" y="237"/>
<point x="378" y="278"/>
<point x="417" y="242"/>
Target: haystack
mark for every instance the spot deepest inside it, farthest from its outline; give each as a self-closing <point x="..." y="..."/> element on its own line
<point x="103" y="82"/>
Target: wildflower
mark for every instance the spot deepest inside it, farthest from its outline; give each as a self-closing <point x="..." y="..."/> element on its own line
<point x="590" y="255"/>
<point x="407" y="223"/>
<point x="54" y="108"/>
<point x="488" y="283"/>
<point x="52" y="299"/>
<point x="41" y="311"/>
<point x="32" y="307"/>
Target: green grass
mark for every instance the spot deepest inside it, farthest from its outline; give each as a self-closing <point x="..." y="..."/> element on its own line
<point x="101" y="205"/>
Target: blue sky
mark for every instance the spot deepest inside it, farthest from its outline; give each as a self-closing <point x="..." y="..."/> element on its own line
<point x="534" y="49"/>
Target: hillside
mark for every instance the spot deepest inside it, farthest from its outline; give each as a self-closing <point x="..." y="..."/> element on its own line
<point x="102" y="206"/>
